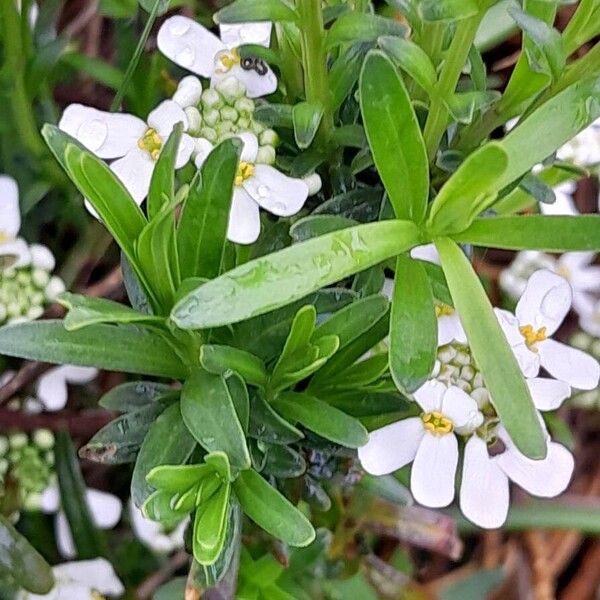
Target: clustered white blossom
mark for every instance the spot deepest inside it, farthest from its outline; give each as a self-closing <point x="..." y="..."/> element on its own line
<point x="208" y="116"/>
<point x="27" y="285"/>
<point x="455" y="403"/>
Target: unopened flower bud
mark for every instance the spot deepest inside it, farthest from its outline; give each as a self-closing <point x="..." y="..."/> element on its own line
<point x="211" y="99"/>
<point x="268" y="137"/>
<point x="43" y="439"/>
<point x="55" y="287"/>
<point x="231" y="89"/>
<point x="189" y="92"/>
<point x="3" y="445"/>
<point x="228" y="113"/>
<point x="194" y="120"/>
<point x="245" y="106"/>
<point x="314" y="183"/>
<point x="211" y="117"/>
<point x="41" y="257"/>
<point x="266" y="155"/>
<point x="17" y="440"/>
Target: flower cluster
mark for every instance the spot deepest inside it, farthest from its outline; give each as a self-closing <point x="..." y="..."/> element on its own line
<point x="27" y="285"/>
<point x="209" y="116"/>
<point x="456" y="404"/>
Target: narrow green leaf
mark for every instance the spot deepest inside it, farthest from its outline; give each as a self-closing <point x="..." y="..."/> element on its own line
<point x="168" y="442"/>
<point x="162" y="184"/>
<point x="266" y="425"/>
<point x="316" y="225"/>
<point x="448" y="10"/>
<point x="278" y="279"/>
<point x="535" y="232"/>
<point x="272" y="511"/>
<point x="88" y="540"/>
<point x="177" y="478"/>
<point x="355" y="27"/>
<point x="111" y="347"/>
<point x="210" y="526"/>
<point x="149" y="5"/>
<point x="394" y="136"/>
<point x="219" y="359"/>
<point x="202" y="231"/>
<point x="413" y="326"/>
<point x="241" y="11"/>
<point x="86" y="310"/>
<point x="306" y="118"/>
<point x="470" y="190"/>
<point x="209" y="413"/>
<point x="325" y="420"/>
<point x="20" y="561"/>
<point x="133" y="395"/>
<point x="503" y="378"/>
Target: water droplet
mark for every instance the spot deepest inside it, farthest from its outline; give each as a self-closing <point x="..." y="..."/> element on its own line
<point x="185" y="57"/>
<point x="263" y="192"/>
<point x="179" y="27"/>
<point x="279" y="207"/>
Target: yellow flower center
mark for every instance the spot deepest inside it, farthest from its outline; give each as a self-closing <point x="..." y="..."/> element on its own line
<point x="443" y="310"/>
<point x="97" y="596"/>
<point x="151" y="142"/>
<point x="245" y="171"/>
<point x="532" y="336"/>
<point x="436" y="423"/>
<point x="226" y="60"/>
<point x="4" y="237"/>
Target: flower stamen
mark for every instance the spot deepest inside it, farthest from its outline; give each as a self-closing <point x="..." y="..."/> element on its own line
<point x="226" y="60"/>
<point x="151" y="142"/>
<point x="245" y="171"/>
<point x="438" y="424"/>
<point x="443" y="310"/>
<point x="532" y="336"/>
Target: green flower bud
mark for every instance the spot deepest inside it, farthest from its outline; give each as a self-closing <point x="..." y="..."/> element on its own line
<point x="49" y="458"/>
<point x="35" y="312"/>
<point x="32" y="502"/>
<point x="23" y="277"/>
<point x="268" y="138"/>
<point x="3" y="466"/>
<point x="266" y="155"/>
<point x="209" y="133"/>
<point x="40" y="278"/>
<point x="18" y="440"/>
<point x="211" y="117"/>
<point x="231" y="89"/>
<point x="194" y="120"/>
<point x="229" y="113"/>
<point x="245" y="106"/>
<point x="223" y="127"/>
<point x="43" y="439"/>
<point x="243" y="124"/>
<point x="257" y="128"/>
<point x="211" y="99"/>
<point x="3" y="445"/>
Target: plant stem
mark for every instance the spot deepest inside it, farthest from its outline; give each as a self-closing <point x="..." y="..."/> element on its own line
<point x="314" y="57"/>
<point x="437" y="119"/>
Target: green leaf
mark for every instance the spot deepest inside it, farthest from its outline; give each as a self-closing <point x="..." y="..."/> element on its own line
<point x="111" y="347"/>
<point x="463" y="106"/>
<point x="535" y="232"/>
<point x="98" y="69"/>
<point x="209" y="413"/>
<point x="177" y="478"/>
<point x="210" y="526"/>
<point x="219" y="359"/>
<point x="411" y="58"/>
<point x="280" y="278"/>
<point x="133" y="395"/>
<point x="356" y="27"/>
<point x="21" y="562"/>
<point x="88" y="540"/>
<point x="272" y="511"/>
<point x="306" y="118"/>
<point x="87" y="310"/>
<point x="202" y="231"/>
<point x="240" y="397"/>
<point x="413" y="326"/>
<point x="148" y="5"/>
<point x="266" y="425"/>
<point x="470" y="190"/>
<point x="275" y="115"/>
<point x="494" y="357"/>
<point x="448" y="10"/>
<point x="162" y="184"/>
<point x="119" y="442"/>
<point x="220" y="463"/>
<point x="394" y="136"/>
<point x="325" y="420"/>
<point x="315" y="225"/>
<point x="168" y="442"/>
<point x="241" y="11"/>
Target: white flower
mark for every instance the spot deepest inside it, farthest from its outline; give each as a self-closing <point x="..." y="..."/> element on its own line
<point x="51" y="387"/>
<point x="259" y="186"/>
<point x="484" y="491"/>
<point x="564" y="204"/>
<point x="195" y="48"/>
<point x="105" y="510"/>
<point x="152" y="533"/>
<point x="540" y="312"/>
<point x="135" y="143"/>
<point x="428" y="440"/>
<point x="584" y="148"/>
<point x="427" y="252"/>
<point x="589" y="316"/>
<point x="189" y="92"/>
<point x="80" y="580"/>
<point x="450" y="328"/>
<point x="14" y="251"/>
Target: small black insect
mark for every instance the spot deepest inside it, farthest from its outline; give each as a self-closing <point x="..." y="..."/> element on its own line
<point x="249" y="63"/>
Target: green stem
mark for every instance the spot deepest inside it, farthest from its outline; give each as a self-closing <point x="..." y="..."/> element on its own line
<point x="437" y="119"/>
<point x="314" y="57"/>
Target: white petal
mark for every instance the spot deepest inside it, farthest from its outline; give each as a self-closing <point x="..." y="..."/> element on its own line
<point x="97" y="574"/>
<point x="484" y="490"/>
<point x="54" y="287"/>
<point x="42" y="257"/>
<point x="238" y="34"/>
<point x="244" y="218"/>
<point x="104" y="507"/>
<point x="434" y="469"/>
<point x="272" y="190"/>
<point x="458" y="406"/>
<point x="185" y="150"/>
<point x="571" y="261"/>
<point x="50" y="500"/>
<point x="79" y="375"/>
<point x="164" y="118"/>
<point x="202" y="148"/>
<point x="545" y="302"/>
<point x="547" y="478"/>
<point x="429" y="395"/>
<point x="548" y="394"/>
<point x="189" y="45"/>
<point x="14" y="254"/>
<point x="64" y="539"/>
<point x="151" y="532"/>
<point x="572" y="365"/>
<point x="391" y="447"/>
<point x="450" y="329"/>
<point x="250" y="147"/>
<point x="135" y="172"/>
<point x="564" y="204"/>
<point x="427" y="253"/>
<point x="51" y="389"/>
<point x="188" y="92"/>
<point x="256" y="84"/>
<point x="529" y="361"/>
<point x="10" y="214"/>
<point x="107" y="135"/>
